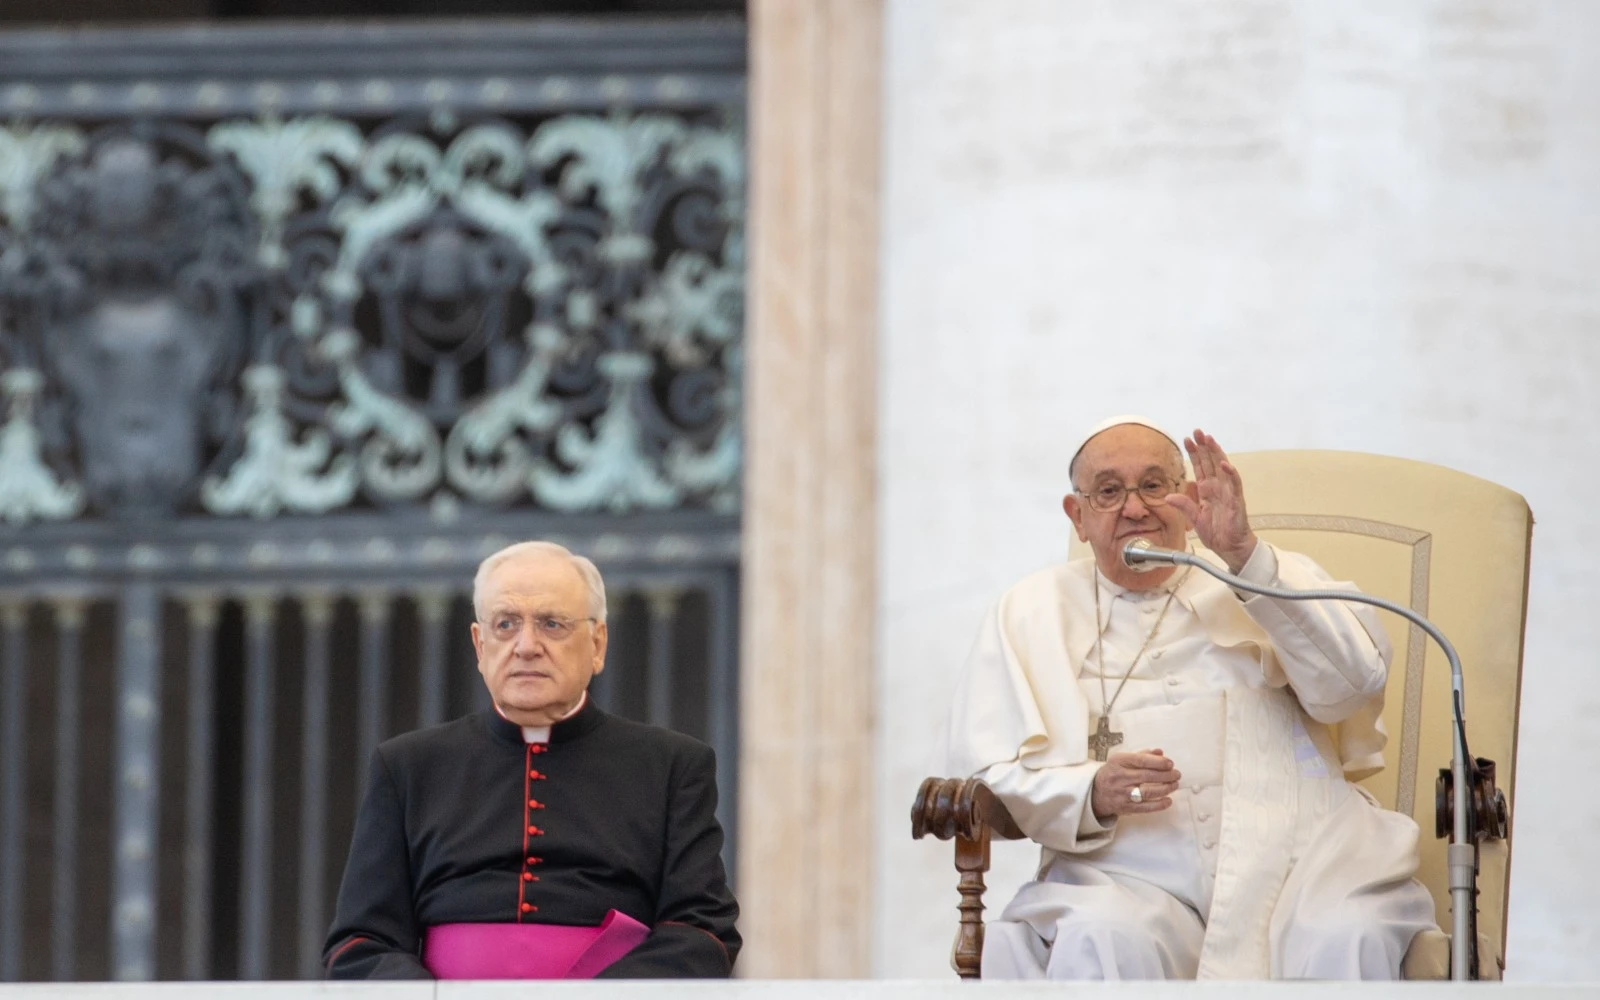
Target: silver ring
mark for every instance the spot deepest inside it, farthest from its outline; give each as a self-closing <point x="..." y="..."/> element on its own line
<point x="1137" y="794"/>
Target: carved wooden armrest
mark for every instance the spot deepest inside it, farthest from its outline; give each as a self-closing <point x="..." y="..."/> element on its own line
<point x="968" y="811"/>
<point x="963" y="808"/>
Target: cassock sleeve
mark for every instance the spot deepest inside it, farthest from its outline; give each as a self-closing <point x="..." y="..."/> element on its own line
<point x="693" y="935"/>
<point x="374" y="933"/>
<point x="1334" y="653"/>
<point x="1052" y="804"/>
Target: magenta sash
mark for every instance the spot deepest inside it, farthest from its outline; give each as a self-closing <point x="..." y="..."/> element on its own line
<point x="529" y="951"/>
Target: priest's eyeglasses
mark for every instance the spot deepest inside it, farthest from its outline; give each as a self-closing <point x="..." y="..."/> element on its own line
<point x="552" y="627"/>
<point x="1108" y="497"/>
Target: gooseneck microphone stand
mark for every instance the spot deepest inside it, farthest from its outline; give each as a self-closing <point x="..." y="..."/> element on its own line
<point x="1462" y="853"/>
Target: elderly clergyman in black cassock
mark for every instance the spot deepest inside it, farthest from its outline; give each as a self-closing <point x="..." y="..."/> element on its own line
<point x="542" y="838"/>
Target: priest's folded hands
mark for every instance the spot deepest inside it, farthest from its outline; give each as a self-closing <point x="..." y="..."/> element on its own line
<point x="1234" y="699"/>
<point x="541" y="838"/>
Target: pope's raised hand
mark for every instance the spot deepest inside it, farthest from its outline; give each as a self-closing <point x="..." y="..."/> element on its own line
<point x="1215" y="505"/>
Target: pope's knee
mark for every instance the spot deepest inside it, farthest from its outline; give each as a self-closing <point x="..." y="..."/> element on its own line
<point x="1125" y="929"/>
<point x="1338" y="942"/>
<point x="1097" y="946"/>
<point x="1336" y="924"/>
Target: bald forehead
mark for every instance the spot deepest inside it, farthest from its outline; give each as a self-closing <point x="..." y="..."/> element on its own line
<point x="1128" y="450"/>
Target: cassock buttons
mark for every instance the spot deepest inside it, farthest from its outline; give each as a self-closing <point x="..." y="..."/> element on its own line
<point x="535" y="861"/>
<point x="529" y="908"/>
<point x="527" y="876"/>
<point x="535" y="831"/>
<point x="535" y="804"/>
<point x="536" y="776"/>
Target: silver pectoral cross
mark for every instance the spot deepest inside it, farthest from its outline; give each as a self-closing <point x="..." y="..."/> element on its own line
<point x="1103" y="740"/>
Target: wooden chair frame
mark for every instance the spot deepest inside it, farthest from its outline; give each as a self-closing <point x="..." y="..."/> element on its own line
<point x="967" y="811"/>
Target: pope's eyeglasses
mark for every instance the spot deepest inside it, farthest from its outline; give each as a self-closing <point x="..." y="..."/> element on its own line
<point x="1108" y="497"/>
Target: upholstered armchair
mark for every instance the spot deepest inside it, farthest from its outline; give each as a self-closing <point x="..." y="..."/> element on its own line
<point x="1453" y="548"/>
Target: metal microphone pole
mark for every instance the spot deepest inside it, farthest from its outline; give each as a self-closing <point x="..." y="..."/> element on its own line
<point x="1462" y="852"/>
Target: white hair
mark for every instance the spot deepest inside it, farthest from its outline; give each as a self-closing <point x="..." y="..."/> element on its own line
<point x="585" y="568"/>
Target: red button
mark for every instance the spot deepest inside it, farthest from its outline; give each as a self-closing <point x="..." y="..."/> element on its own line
<point x="535" y="831"/>
<point x="527" y="907"/>
<point x="535" y="775"/>
<point x="535" y="861"/>
<point x="535" y="804"/>
<point x="527" y="876"/>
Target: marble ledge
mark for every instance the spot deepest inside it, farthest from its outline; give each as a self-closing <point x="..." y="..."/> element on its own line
<point x="797" y="989"/>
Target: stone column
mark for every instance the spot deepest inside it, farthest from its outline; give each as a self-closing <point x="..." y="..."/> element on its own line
<point x="809" y="534"/>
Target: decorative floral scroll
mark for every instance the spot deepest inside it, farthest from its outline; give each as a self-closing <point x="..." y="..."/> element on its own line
<point x="278" y="316"/>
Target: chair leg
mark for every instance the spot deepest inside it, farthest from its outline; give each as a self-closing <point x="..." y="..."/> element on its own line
<point x="972" y="860"/>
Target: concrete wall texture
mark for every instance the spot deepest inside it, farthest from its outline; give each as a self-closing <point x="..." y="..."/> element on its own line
<point x="1359" y="225"/>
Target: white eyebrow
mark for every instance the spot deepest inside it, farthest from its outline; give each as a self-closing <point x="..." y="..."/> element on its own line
<point x="538" y="613"/>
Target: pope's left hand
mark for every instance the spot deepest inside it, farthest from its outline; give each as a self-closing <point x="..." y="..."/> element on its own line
<point x="1215" y="502"/>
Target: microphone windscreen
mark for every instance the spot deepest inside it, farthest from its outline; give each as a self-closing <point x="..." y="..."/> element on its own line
<point x="1136" y="555"/>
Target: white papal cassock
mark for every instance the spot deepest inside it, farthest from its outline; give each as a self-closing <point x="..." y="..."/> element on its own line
<point x="1269" y="861"/>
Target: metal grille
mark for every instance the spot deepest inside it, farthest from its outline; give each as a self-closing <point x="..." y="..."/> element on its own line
<point x="292" y="337"/>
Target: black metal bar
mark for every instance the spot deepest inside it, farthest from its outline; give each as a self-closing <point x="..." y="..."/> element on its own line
<point x="433" y="610"/>
<point x="217" y="551"/>
<point x="374" y="680"/>
<point x="13" y="778"/>
<point x="199" y="785"/>
<point x="318" y="610"/>
<point x="64" y="885"/>
<point x="663" y="604"/>
<point x="137" y="816"/>
<point x="698" y="48"/>
<point x="255" y="880"/>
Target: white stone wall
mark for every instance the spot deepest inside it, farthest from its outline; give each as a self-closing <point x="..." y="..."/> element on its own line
<point x="1363" y="225"/>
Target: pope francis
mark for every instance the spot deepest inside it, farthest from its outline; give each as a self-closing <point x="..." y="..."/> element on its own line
<point x="1182" y="752"/>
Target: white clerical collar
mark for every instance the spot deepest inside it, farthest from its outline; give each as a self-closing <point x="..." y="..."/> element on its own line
<point x="541" y="734"/>
<point x="1166" y="586"/>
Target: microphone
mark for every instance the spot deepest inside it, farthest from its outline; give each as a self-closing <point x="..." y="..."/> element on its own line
<point x="1142" y="557"/>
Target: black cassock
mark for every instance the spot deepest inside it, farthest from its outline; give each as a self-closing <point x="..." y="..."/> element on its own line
<point x="466" y="823"/>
